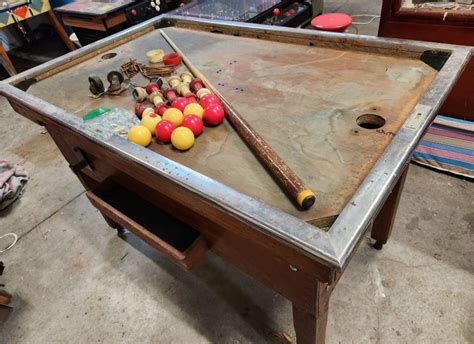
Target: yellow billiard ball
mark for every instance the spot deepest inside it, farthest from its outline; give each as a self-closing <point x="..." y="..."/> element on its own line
<point x="150" y="121"/>
<point x="140" y="135"/>
<point x="174" y="116"/>
<point x="182" y="138"/>
<point x="194" y="109"/>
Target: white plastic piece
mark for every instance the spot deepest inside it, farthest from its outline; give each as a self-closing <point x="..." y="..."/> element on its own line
<point x="9" y="246"/>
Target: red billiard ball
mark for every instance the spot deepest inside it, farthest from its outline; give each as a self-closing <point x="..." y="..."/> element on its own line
<point x="209" y="99"/>
<point x="160" y="109"/>
<point x="163" y="130"/>
<point x="180" y="103"/>
<point x="194" y="123"/>
<point x="214" y="114"/>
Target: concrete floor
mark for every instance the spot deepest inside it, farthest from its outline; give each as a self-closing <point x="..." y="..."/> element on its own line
<point x="74" y="280"/>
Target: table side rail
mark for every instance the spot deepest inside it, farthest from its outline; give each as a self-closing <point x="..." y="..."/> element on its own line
<point x="387" y="46"/>
<point x="371" y="44"/>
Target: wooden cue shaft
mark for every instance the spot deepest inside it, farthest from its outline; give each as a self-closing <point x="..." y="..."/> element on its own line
<point x="290" y="182"/>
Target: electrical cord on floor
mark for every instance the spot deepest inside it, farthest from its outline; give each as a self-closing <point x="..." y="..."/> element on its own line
<point x="15" y="239"/>
<point x="364" y="15"/>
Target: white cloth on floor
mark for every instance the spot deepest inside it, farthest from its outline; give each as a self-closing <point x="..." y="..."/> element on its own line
<point x="12" y="180"/>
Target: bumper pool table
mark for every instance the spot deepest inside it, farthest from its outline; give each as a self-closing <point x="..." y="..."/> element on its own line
<point x="344" y="112"/>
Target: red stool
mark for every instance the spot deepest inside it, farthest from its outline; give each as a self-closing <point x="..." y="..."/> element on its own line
<point x="337" y="22"/>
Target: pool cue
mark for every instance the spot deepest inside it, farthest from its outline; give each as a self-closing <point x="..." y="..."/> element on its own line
<point x="290" y="182"/>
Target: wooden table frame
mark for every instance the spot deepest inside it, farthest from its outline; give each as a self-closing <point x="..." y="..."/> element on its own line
<point x="426" y="24"/>
<point x="297" y="260"/>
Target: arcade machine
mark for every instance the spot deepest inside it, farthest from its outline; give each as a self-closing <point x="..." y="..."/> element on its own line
<point x="96" y="19"/>
<point x="292" y="13"/>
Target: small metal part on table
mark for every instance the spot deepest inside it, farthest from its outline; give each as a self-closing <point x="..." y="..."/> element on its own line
<point x="116" y="79"/>
<point x="153" y="72"/>
<point x="132" y="68"/>
<point x="116" y="86"/>
<point x="96" y="86"/>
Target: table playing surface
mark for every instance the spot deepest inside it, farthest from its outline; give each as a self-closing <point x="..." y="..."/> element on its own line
<point x="305" y="101"/>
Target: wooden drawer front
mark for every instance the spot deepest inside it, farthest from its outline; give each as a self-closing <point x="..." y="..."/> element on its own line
<point x="181" y="243"/>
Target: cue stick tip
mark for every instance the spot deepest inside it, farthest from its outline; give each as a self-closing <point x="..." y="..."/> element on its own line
<point x="306" y="199"/>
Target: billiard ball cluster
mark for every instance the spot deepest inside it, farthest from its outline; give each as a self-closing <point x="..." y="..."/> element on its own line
<point x="177" y="116"/>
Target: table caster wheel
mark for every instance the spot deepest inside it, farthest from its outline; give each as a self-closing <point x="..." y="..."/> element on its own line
<point x="377" y="245"/>
<point x="115" y="78"/>
<point x="95" y="85"/>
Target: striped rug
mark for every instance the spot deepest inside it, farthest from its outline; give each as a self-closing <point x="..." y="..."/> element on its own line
<point x="448" y="145"/>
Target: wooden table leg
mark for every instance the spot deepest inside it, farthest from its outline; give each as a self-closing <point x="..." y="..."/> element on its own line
<point x="120" y="230"/>
<point x="5" y="298"/>
<point x="60" y="30"/>
<point x="7" y="63"/>
<point x="310" y="323"/>
<point x="383" y="223"/>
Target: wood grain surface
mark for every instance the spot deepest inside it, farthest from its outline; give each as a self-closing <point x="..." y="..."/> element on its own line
<point x="303" y="100"/>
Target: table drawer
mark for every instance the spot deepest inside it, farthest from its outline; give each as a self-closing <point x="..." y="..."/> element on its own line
<point x="181" y="243"/>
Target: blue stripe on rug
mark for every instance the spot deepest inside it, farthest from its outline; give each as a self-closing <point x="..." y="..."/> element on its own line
<point x="443" y="160"/>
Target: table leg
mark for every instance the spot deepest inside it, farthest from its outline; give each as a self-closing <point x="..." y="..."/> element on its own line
<point x="5" y="298"/>
<point x="115" y="225"/>
<point x="310" y="323"/>
<point x="60" y="30"/>
<point x="383" y="223"/>
<point x="7" y="63"/>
